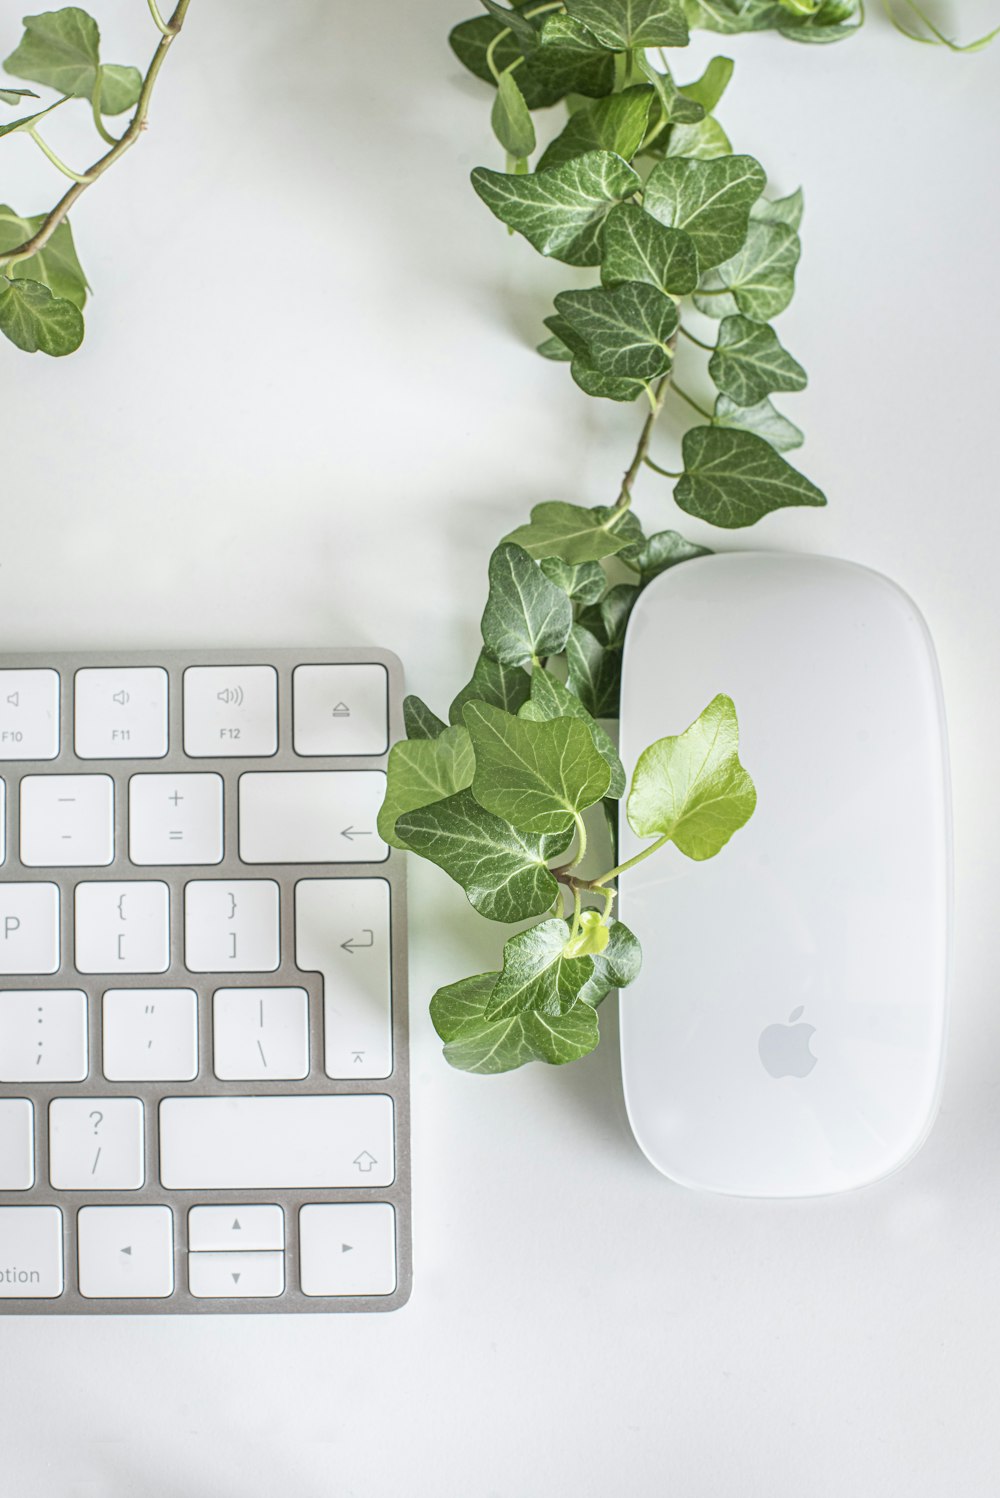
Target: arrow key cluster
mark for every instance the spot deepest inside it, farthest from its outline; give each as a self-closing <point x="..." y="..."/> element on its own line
<point x="236" y="1252"/>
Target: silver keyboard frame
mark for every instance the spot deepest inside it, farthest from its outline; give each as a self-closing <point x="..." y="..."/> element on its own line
<point x="397" y="1086"/>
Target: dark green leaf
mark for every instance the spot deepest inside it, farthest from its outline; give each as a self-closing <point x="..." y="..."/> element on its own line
<point x="709" y="199"/>
<point x="761" y="275"/>
<point x="616" y="124"/>
<point x="36" y="321"/>
<point x="637" y="248"/>
<point x="54" y="266"/>
<point x="421" y="772"/>
<point x="526" y="616"/>
<point x="584" y="582"/>
<point x="609" y="387"/>
<point x="623" y="25"/>
<point x="537" y="776"/>
<point x="511" y="118"/>
<point x="616" y="967"/>
<point x="710" y="87"/>
<point x="571" y="532"/>
<point x="570" y="61"/>
<point x="665" y="549"/>
<point x="625" y="330"/>
<point x="594" y="672"/>
<point x="550" y="699"/>
<point x="562" y="211"/>
<point x="674" y="107"/>
<point x="505" y="687"/>
<point x="512" y="20"/>
<point x="762" y="419"/>
<point x="732" y="478"/>
<point x="474" y="1043"/>
<point x="537" y="974"/>
<point x="749" y="362"/>
<point x="615" y="607"/>
<point x="554" y="348"/>
<point x="419" y="721"/>
<point x="548" y="73"/>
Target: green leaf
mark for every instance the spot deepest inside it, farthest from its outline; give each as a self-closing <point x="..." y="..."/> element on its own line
<point x="571" y="64"/>
<point x="732" y="478"/>
<point x="591" y="938"/>
<point x="749" y="362"/>
<point x="780" y="210"/>
<point x="505" y="687"/>
<point x="421" y="772"/>
<point x="15" y="95"/>
<point x="554" y="348"/>
<point x="617" y="123"/>
<point x="419" y="721"/>
<point x="585" y="581"/>
<point x="674" y="107"/>
<point x="616" y="967"/>
<point x="54" y="266"/>
<point x="705" y="141"/>
<point x="615" y="608"/>
<point x="60" y="48"/>
<point x="511" y="118"/>
<point x="710" y="87"/>
<point x="709" y="199"/>
<point x="36" y="321"/>
<point x="665" y="549"/>
<point x="691" y="787"/>
<point x="763" y="420"/>
<point x="623" y="25"/>
<point x="570" y="61"/>
<point x="719" y="15"/>
<point x="594" y="672"/>
<point x="625" y="330"/>
<point x="562" y="211"/>
<point x="537" y="974"/>
<point x="537" y="776"/>
<point x="637" y="248"/>
<point x="570" y="532"/>
<point x="761" y="275"/>
<point x="512" y="20"/>
<point x="526" y="616"/>
<point x="474" y="1043"/>
<point x="609" y="387"/>
<point x="120" y="88"/>
<point x="550" y="699"/>
<point x="503" y="871"/>
<point x="832" y="21"/>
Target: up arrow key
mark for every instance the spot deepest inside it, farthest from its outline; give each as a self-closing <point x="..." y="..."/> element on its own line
<point x="236" y="1226"/>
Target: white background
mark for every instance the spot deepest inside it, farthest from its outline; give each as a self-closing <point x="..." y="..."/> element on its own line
<point x="305" y="410"/>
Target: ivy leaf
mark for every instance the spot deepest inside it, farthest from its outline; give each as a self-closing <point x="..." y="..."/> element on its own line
<point x="549" y="699"/>
<point x="561" y="211"/>
<point x="584" y="581"/>
<point x="713" y="299"/>
<point x="570" y="532"/>
<point x="616" y="967"/>
<point x="421" y="772"/>
<point x="548" y="72"/>
<point x="570" y="61"/>
<point x="704" y="141"/>
<point x="832" y="21"/>
<point x="665" y="549"/>
<point x="710" y="87"/>
<point x="763" y="420"/>
<point x="36" y="321"/>
<point x="15" y="95"/>
<point x="419" y="721"/>
<point x="615" y="608"/>
<point x="537" y="974"/>
<point x="761" y="275"/>
<point x="120" y="88"/>
<point x="608" y="387"/>
<point x="537" y="776"/>
<point x="691" y="787"/>
<point x="637" y="248"/>
<point x="554" y="348"/>
<point x="505" y="687"/>
<point x="780" y="210"/>
<point x="623" y="25"/>
<point x="732" y="478"/>
<point x="61" y="49"/>
<point x="617" y="123"/>
<point x="626" y="330"/>
<point x="502" y="870"/>
<point x="511" y="118"/>
<point x="54" y="266"/>
<point x="709" y="199"/>
<point x="594" y="672"/>
<point x="526" y="616"/>
<point x="512" y="20"/>
<point x="749" y="362"/>
<point x="719" y="15"/>
<point x="674" y="106"/>
<point x="474" y="1043"/>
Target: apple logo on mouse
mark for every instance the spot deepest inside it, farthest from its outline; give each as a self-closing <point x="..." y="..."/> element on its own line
<point x="784" y="1049"/>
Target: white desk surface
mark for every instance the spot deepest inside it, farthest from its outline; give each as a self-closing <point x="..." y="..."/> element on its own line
<point x="305" y="411"/>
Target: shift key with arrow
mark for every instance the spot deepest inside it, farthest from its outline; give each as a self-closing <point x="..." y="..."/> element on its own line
<point x="342" y="932"/>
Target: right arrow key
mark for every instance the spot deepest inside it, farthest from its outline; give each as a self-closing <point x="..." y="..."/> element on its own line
<point x="342" y="932"/>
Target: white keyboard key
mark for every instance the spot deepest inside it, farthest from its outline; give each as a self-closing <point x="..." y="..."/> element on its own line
<point x="126" y="1252"/>
<point x="96" y="1144"/>
<point x="244" y="1276"/>
<point x="121" y="712"/>
<point x="261" y="1034"/>
<point x="150" y="1034"/>
<point x="67" y="820"/>
<point x="3" y="820"/>
<point x="175" y="819"/>
<point x="340" y="709"/>
<point x="230" y="710"/>
<point x="342" y="932"/>
<point x="31" y="1253"/>
<point x="237" y="1229"/>
<point x="231" y="925"/>
<point x="17" y="1147"/>
<point x="29" y="928"/>
<point x="43" y="1035"/>
<point x="267" y="1143"/>
<point x="311" y="816"/>
<point x="348" y="1249"/>
<point x="29" y="714"/>
<point x="123" y="927"/>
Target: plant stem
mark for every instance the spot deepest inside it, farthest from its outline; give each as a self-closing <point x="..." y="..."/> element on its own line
<point x="708" y="347"/>
<point x="138" y="123"/>
<point x="56" y="161"/>
<point x="667" y="473"/>
<point x="629" y="863"/>
<point x="155" y="13"/>
<point x="642" y="447"/>
<point x="685" y="397"/>
<point x="581" y="848"/>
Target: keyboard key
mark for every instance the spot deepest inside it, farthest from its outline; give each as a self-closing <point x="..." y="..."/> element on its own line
<point x="230" y="710"/>
<point x="29" y="714"/>
<point x="231" y="925"/>
<point x="31" y="1253"/>
<point x="261" y="1033"/>
<point x="121" y="712"/>
<point x="123" y="928"/>
<point x="96" y="1144"/>
<point x="126" y="1252"/>
<point x="243" y="1276"/>
<point x="348" y="1249"/>
<point x="150" y="1034"/>
<point x="29" y="928"/>
<point x="3" y="820"/>
<point x="342" y="932"/>
<point x="264" y="1143"/>
<point x="67" y="820"/>
<point x="175" y="819"/>
<point x="237" y="1229"/>
<point x="311" y="816"/>
<point x="340" y="709"/>
<point x="17" y="1146"/>
<point x="43" y="1035"/>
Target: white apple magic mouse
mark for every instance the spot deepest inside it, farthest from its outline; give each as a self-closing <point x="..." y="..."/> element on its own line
<point x="785" y="1035"/>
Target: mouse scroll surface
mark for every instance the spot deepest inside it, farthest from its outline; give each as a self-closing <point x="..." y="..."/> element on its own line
<point x="785" y="1035"/>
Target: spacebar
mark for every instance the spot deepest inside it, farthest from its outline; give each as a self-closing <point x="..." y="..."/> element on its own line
<point x="223" y="1143"/>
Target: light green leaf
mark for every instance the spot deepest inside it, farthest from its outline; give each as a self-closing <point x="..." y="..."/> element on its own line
<point x="419" y="721"/>
<point x="625" y="331"/>
<point x="749" y="362"/>
<point x="832" y="21"/>
<point x="571" y="64"/>
<point x="732" y="478"/>
<point x="713" y="299"/>
<point x="54" y="266"/>
<point x="550" y="699"/>
<point x="761" y="275"/>
<point x="780" y="210"/>
<point x="585" y="582"/>
<point x="623" y="25"/>
<point x="36" y="321"/>
<point x="591" y="938"/>
<point x="763" y="420"/>
<point x="60" y="48"/>
<point x="562" y="211"/>
<point x="526" y="616"/>
<point x="505" y="687"/>
<point x="569" y="531"/>
<point x="537" y="974"/>
<point x="616" y="967"/>
<point x="594" y="672"/>
<point x="503" y="871"/>
<point x="537" y="776"/>
<point x="710" y="87"/>
<point x="511" y="118"/>
<point x="637" y="248"/>
<point x="421" y="772"/>
<point x="705" y="141"/>
<point x="665" y="549"/>
<point x="691" y="787"/>
<point x="15" y="95"/>
<point x="617" y="123"/>
<point x="120" y="88"/>
<point x="709" y="199"/>
<point x="474" y="1043"/>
